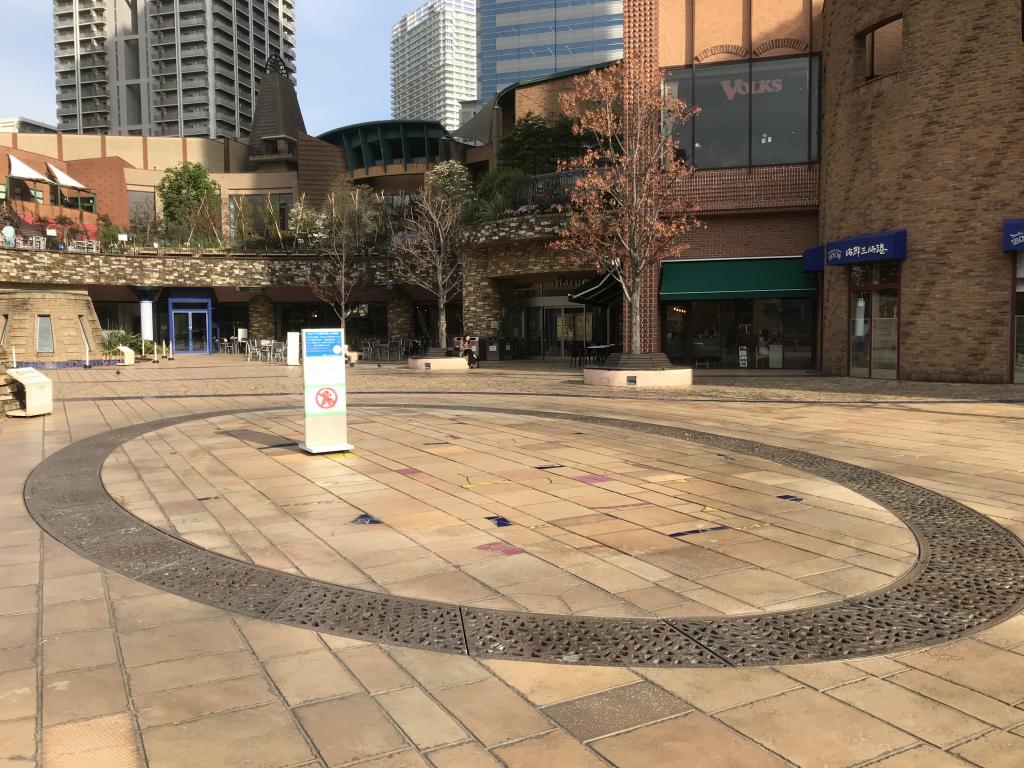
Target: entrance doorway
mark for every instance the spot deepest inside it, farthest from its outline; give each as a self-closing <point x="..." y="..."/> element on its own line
<point x="874" y="320"/>
<point x="1018" y="352"/>
<point x="191" y="331"/>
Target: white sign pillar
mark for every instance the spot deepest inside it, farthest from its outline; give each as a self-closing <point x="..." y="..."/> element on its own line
<point x="293" y="348"/>
<point x="146" y="315"/>
<point x="323" y="379"/>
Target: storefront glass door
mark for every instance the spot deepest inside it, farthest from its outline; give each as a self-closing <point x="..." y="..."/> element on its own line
<point x="190" y="331"/>
<point x="874" y="321"/>
<point x="1018" y="358"/>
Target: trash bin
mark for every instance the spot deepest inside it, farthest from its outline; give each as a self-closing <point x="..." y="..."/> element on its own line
<point x="492" y="349"/>
<point x="504" y="348"/>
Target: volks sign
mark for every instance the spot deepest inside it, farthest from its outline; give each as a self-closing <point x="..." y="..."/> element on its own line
<point x="734" y="88"/>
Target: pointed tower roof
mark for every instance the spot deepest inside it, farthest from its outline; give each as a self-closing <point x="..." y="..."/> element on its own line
<point x="277" y="114"/>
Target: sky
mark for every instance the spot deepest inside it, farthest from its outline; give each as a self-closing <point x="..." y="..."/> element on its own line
<point x="341" y="48"/>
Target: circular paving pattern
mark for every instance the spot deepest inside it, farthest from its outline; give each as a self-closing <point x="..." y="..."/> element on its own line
<point x="970" y="574"/>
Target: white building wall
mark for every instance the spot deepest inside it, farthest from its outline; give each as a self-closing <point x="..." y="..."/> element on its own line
<point x="433" y="62"/>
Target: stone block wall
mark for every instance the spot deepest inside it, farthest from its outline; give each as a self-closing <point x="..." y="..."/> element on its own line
<point x="400" y="317"/>
<point x="72" y="318"/>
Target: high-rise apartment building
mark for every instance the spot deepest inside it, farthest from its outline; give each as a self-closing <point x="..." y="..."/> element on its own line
<point x="166" y="67"/>
<point x="433" y="62"/>
<point x="521" y="39"/>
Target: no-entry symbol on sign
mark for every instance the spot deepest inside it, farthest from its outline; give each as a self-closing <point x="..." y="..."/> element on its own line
<point x="326" y="398"/>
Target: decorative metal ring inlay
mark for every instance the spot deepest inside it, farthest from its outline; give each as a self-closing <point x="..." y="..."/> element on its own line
<point x="970" y="574"/>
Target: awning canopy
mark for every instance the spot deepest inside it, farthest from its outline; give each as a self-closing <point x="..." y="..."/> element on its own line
<point x="64" y="180"/>
<point x="736" y="279"/>
<point x="599" y="291"/>
<point x="20" y="170"/>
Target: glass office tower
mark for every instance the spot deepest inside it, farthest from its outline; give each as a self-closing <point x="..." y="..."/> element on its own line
<point x="522" y="39"/>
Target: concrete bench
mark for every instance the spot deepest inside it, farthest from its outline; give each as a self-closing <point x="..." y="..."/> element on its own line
<point x="37" y="390"/>
<point x="129" y="355"/>
<point x="446" y="364"/>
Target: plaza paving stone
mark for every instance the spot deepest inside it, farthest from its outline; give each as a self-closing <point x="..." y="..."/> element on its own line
<point x="98" y="669"/>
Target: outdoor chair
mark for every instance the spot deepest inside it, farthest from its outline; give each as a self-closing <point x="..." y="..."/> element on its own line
<point x="251" y="350"/>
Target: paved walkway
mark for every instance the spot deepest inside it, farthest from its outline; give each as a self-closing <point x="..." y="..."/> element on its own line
<point x="99" y="669"/>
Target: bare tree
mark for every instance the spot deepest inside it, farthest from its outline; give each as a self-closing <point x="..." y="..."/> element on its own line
<point x="426" y="242"/>
<point x="346" y="231"/>
<point x="627" y="213"/>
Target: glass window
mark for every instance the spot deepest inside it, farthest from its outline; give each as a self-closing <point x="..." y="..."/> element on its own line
<point x="1019" y="356"/>
<point x="883" y="49"/>
<point x="722" y="129"/>
<point x="44" y="334"/>
<point x="780" y="111"/>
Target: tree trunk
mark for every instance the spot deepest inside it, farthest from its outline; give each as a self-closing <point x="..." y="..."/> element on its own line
<point x="442" y="325"/>
<point x="634" y="327"/>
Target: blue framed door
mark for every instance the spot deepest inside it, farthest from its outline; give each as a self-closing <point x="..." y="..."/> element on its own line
<point x="190" y="331"/>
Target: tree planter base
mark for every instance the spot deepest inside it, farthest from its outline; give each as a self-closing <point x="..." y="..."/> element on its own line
<point x="649" y="369"/>
<point x="430" y="364"/>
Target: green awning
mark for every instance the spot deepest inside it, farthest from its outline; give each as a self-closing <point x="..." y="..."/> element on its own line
<point x="736" y="279"/>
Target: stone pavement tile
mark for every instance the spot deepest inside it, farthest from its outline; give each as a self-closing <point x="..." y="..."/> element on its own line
<point x="334" y="570"/>
<point x="767" y="554"/>
<point x="653" y="598"/>
<point x="994" y="672"/>
<point x="544" y="684"/>
<point x="803" y="568"/>
<point x="758" y="587"/>
<point x="19" y="575"/>
<point x="407" y="570"/>
<point x="463" y="756"/>
<point x="434" y="671"/>
<point x="514" y="569"/>
<point x="178" y="641"/>
<point x="843" y="736"/>
<point x="618" y="709"/>
<point x="694" y="562"/>
<point x="349" y="729"/>
<point x="1009" y="634"/>
<point x="195" y="701"/>
<point x="75" y="617"/>
<point x="18" y="630"/>
<point x="167" y="675"/>
<point x="878" y="666"/>
<point x="14" y="600"/>
<point x="926" y="719"/>
<point x="442" y="587"/>
<point x="714" y="689"/>
<point x="693" y="740"/>
<point x="18" y="741"/>
<point x="270" y="640"/>
<point x="422" y="720"/>
<point x="410" y="758"/>
<point x="104" y="741"/>
<point x="79" y="650"/>
<point x="73" y="565"/>
<point x="263" y="736"/>
<point x="17" y="694"/>
<point x="849" y="581"/>
<point x="82" y="695"/>
<point x="492" y="712"/>
<point x="555" y="749"/>
<point x="154" y="610"/>
<point x="374" y="669"/>
<point x="994" y="750"/>
<point x="609" y="577"/>
<point x="66" y="589"/>
<point x="963" y="699"/>
<point x="823" y="676"/>
<point x="310" y="676"/>
<point x="19" y="554"/>
<point x="17" y="658"/>
<point x="119" y="587"/>
<point x="921" y="757"/>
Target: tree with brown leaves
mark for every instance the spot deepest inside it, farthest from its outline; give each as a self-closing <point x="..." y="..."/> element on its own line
<point x="426" y="243"/>
<point x="345" y="230"/>
<point x="627" y="211"/>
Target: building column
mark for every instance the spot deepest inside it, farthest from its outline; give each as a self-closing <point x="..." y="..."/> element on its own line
<point x="400" y="317"/>
<point x="261" y="317"/>
<point x="650" y="314"/>
<point x="146" y="298"/>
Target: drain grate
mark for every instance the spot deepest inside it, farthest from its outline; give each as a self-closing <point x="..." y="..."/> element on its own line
<point x="970" y="575"/>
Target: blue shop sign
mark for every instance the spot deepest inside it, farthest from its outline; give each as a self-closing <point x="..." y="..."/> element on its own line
<point x="814" y="259"/>
<point x="1013" y="235"/>
<point x="883" y="246"/>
